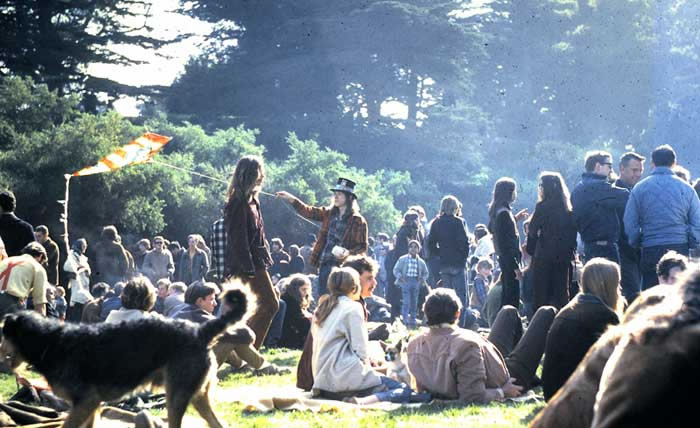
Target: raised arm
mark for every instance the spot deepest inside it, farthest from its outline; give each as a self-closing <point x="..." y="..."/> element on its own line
<point x="307" y="211"/>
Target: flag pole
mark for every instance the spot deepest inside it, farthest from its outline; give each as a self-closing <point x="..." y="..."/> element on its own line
<point x="64" y="216"/>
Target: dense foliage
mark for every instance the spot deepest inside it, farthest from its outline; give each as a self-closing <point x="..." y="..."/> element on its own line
<point x="50" y="138"/>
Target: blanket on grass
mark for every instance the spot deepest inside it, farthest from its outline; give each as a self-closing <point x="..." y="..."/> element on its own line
<point x="262" y="399"/>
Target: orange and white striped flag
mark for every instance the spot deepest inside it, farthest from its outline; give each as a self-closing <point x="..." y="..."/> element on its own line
<point x="138" y="151"/>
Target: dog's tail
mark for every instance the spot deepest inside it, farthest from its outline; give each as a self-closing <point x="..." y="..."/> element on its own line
<point x="237" y="302"/>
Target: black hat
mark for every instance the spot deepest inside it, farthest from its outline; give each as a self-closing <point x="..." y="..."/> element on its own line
<point x="345" y="185"/>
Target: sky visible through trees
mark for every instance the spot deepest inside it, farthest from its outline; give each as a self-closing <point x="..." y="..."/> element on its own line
<point x="420" y="98"/>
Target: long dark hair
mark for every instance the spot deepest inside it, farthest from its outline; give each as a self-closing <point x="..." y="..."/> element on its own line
<point x="351" y="204"/>
<point x="245" y="177"/>
<point x="502" y="195"/>
<point x="295" y="283"/>
<point x="553" y="188"/>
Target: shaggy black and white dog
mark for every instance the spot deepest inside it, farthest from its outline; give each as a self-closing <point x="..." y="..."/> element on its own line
<point x="91" y="364"/>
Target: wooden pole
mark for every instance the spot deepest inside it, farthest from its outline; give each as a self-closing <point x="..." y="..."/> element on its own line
<point x="64" y="216"/>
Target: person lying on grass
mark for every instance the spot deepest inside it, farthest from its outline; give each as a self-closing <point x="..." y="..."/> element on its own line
<point x="457" y="364"/>
<point x="340" y="361"/>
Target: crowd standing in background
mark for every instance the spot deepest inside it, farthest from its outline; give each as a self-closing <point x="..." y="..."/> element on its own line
<point x="553" y="289"/>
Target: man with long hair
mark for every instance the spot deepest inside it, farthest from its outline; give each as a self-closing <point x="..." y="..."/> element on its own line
<point x="343" y="229"/>
<point x="247" y="256"/>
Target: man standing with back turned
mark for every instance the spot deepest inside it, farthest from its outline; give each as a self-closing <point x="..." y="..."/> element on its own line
<point x="663" y="214"/>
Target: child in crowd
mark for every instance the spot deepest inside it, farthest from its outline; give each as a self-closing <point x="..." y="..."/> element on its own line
<point x="477" y="299"/>
<point x="51" y="302"/>
<point x="410" y="272"/>
<point x="61" y="304"/>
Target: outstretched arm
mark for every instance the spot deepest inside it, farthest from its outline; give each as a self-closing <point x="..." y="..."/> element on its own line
<point x="310" y="212"/>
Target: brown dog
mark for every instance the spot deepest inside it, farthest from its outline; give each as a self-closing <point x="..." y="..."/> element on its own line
<point x="91" y="364"/>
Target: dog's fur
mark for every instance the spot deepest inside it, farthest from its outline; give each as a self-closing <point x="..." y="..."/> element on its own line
<point x="643" y="372"/>
<point x="90" y="364"/>
<point x="397" y="362"/>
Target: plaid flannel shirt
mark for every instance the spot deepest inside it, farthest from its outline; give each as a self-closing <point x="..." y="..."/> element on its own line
<point x="354" y="238"/>
<point x="412" y="268"/>
<point x="217" y="243"/>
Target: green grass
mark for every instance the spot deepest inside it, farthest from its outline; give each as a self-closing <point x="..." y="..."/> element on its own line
<point x="495" y="415"/>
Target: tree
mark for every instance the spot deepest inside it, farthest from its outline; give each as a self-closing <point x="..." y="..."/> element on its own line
<point x="160" y="197"/>
<point x="53" y="41"/>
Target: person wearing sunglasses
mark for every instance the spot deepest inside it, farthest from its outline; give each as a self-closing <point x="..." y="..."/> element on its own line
<point x="598" y="208"/>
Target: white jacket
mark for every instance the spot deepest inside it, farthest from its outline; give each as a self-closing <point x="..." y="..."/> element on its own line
<point x="77" y="264"/>
<point x="339" y="361"/>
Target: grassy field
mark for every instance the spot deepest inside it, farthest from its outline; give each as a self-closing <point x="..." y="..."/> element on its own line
<point x="496" y="415"/>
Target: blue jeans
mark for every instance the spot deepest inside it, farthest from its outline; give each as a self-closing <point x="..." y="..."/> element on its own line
<point x="381" y="287"/>
<point x="455" y="279"/>
<point x="398" y="392"/>
<point x="527" y="293"/>
<point x="323" y="273"/>
<point x="651" y="257"/>
<point x="275" y="332"/>
<point x="631" y="276"/>
<point x="609" y="251"/>
<point x="409" y="305"/>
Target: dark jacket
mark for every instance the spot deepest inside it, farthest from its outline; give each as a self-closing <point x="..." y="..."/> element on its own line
<point x="448" y="240"/>
<point x="195" y="271"/>
<point x="575" y="329"/>
<point x="406" y="234"/>
<point x="194" y="313"/>
<point x="296" y="325"/>
<point x="296" y="265"/>
<point x="354" y="239"/>
<point x="112" y="261"/>
<point x="506" y="240"/>
<point x="627" y="252"/>
<point x="599" y="207"/>
<point x="246" y="248"/>
<point x="277" y="259"/>
<point x="15" y="233"/>
<point x="52" y="254"/>
<point x="552" y="234"/>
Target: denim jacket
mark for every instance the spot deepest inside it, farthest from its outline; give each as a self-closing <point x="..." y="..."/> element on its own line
<point x="401" y="267"/>
<point x="663" y="210"/>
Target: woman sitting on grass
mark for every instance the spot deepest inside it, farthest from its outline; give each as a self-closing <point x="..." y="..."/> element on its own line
<point x="580" y="323"/>
<point x="297" y="319"/>
<point x="340" y="363"/>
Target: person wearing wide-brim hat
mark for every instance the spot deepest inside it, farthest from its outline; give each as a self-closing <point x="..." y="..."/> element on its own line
<point x="343" y="230"/>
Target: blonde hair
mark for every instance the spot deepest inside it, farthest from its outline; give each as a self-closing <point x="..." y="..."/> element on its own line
<point x="342" y="281"/>
<point x="450" y="205"/>
<point x="601" y="278"/>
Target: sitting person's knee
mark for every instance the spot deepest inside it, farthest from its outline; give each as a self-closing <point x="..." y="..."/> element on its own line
<point x="546" y="311"/>
<point x="509" y="312"/>
<point x="242" y="335"/>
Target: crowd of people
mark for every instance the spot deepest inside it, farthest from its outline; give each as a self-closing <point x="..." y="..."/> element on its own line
<point x="496" y="303"/>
